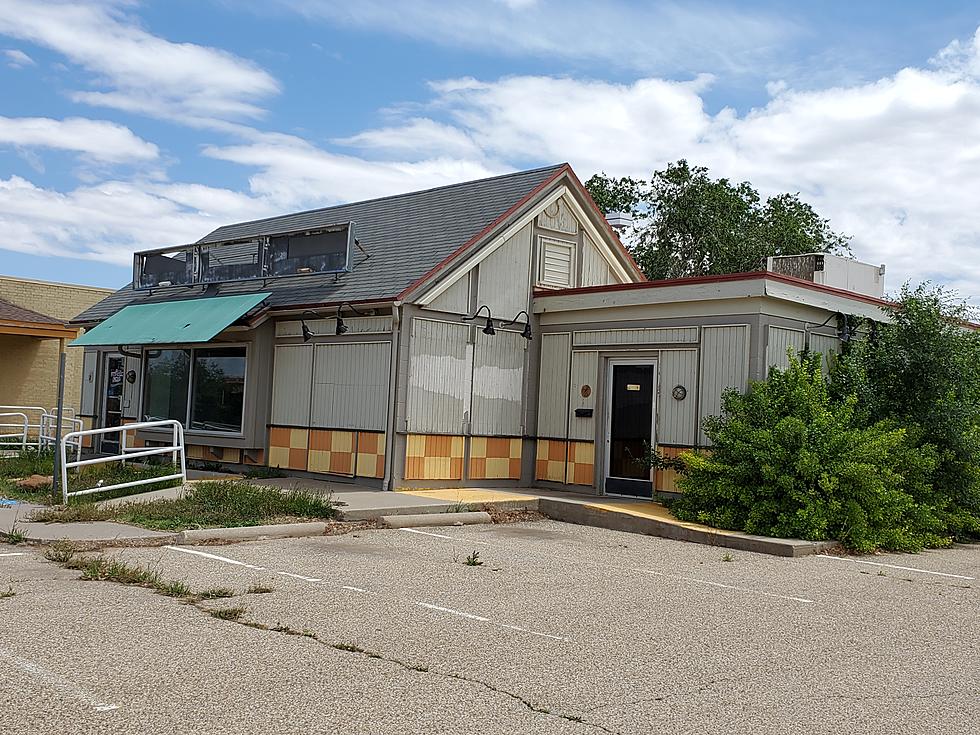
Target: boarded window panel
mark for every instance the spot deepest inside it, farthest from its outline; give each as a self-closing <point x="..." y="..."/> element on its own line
<point x="439" y="377"/>
<point x="498" y="384"/>
<point x="828" y="346"/>
<point x="553" y="386"/>
<point x="724" y="365"/>
<point x="584" y="372"/>
<point x="350" y="386"/>
<point x="557" y="262"/>
<point x="89" y="363"/>
<point x="677" y="418"/>
<point x="291" y="385"/>
<point x="781" y="340"/>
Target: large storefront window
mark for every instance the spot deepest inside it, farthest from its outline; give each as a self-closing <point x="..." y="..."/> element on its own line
<point x="209" y="383"/>
<point x="219" y="389"/>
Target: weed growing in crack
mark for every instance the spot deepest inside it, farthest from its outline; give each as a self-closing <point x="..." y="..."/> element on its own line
<point x="60" y="552"/>
<point x="174" y="588"/>
<point x="216" y="593"/>
<point x="473" y="560"/>
<point x="259" y="589"/>
<point x="349" y="647"/>
<point x="728" y="557"/>
<point x="7" y="593"/>
<point x="15" y="535"/>
<point x="228" y="613"/>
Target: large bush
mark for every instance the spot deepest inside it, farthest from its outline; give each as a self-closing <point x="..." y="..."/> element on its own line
<point x="921" y="370"/>
<point x="790" y="461"/>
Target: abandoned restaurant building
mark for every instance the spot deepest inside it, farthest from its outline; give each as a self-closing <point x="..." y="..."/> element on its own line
<point x="493" y="332"/>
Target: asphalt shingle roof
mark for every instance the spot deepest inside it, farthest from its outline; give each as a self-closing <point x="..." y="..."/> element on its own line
<point x="404" y="236"/>
<point x="13" y="313"/>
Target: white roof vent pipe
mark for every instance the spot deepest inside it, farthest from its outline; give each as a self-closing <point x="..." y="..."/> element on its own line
<point x="620" y="221"/>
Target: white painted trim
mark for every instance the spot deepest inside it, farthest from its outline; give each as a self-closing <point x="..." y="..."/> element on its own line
<point x="571" y="246"/>
<point x="485" y="252"/>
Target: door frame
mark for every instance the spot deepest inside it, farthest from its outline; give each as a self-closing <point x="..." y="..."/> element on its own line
<point x="104" y="391"/>
<point x="612" y="362"/>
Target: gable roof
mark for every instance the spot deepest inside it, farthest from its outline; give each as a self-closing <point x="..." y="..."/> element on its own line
<point x="404" y="237"/>
<point x="13" y="313"/>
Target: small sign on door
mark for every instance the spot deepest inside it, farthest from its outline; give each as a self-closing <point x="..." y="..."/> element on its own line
<point x="632" y="386"/>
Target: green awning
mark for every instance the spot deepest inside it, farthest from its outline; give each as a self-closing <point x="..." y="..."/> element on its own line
<point x="170" y="322"/>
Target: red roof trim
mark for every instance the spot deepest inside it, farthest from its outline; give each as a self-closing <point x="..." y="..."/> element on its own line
<point x="609" y="230"/>
<point x="700" y="280"/>
<point x="565" y="168"/>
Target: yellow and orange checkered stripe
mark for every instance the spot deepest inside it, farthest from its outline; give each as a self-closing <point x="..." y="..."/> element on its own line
<point x="571" y="463"/>
<point x="429" y="457"/>
<point x="330" y="451"/>
<point x="232" y="455"/>
<point x="494" y="458"/>
<point x="666" y="480"/>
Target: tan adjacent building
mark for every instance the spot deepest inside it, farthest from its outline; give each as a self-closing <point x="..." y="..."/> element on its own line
<point x="33" y="331"/>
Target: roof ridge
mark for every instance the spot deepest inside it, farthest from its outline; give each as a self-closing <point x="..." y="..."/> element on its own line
<point x="385" y="198"/>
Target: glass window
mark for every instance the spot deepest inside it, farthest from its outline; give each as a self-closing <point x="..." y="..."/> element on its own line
<point x="219" y="389"/>
<point x="167" y="381"/>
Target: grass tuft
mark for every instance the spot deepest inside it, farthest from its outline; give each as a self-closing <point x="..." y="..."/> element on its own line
<point x="473" y="560"/>
<point x="15" y="535"/>
<point x="7" y="593"/>
<point x="216" y="593"/>
<point x="259" y="589"/>
<point x="60" y="552"/>
<point x="228" y="613"/>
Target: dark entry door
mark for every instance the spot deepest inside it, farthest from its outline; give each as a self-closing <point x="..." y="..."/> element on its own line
<point x="631" y="406"/>
<point x="115" y="373"/>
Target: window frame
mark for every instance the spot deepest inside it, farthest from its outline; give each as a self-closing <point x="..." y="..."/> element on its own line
<point x="189" y="403"/>
<point x="571" y="245"/>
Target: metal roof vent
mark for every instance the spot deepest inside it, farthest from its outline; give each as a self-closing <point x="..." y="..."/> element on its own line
<point x="619" y="221"/>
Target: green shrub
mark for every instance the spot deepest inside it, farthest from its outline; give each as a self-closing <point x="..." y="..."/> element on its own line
<point x="789" y="461"/>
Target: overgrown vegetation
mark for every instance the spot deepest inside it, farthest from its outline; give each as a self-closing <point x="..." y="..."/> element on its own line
<point x="214" y="504"/>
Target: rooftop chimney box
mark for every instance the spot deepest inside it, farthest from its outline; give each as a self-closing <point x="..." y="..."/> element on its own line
<point x="832" y="270"/>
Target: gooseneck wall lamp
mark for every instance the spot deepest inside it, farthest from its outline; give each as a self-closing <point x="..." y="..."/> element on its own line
<point x="488" y="328"/>
<point x="526" y="332"/>
<point x="341" y="327"/>
<point x="308" y="333"/>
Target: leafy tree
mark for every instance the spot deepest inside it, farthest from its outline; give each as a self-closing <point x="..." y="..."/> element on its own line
<point x="790" y="461"/>
<point x="689" y="224"/>
<point x="921" y="369"/>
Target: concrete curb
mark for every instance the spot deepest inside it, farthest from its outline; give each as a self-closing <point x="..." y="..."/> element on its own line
<point x="436" y="519"/>
<point x="589" y="515"/>
<point x="252" y="533"/>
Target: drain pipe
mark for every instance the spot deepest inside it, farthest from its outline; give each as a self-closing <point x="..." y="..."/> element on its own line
<point x="396" y="320"/>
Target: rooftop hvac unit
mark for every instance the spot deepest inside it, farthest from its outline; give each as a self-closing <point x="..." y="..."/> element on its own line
<point x="832" y="270"/>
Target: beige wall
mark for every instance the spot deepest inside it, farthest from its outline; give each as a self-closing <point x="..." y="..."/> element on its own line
<point x="28" y="365"/>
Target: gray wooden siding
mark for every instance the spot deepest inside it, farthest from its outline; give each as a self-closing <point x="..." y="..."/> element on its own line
<point x="558" y="217"/>
<point x="584" y="371"/>
<point x="328" y="327"/>
<point x="505" y="276"/>
<point x="724" y="364"/>
<point x="439" y="377"/>
<point x="350" y="385"/>
<point x="595" y="269"/>
<point x="455" y="299"/>
<point x="677" y="420"/>
<point x="828" y="346"/>
<point x="553" y="385"/>
<point x="90" y="363"/>
<point x="498" y="384"/>
<point x="780" y="341"/>
<point x="292" y="384"/>
<point x="131" y="391"/>
<point x="663" y="335"/>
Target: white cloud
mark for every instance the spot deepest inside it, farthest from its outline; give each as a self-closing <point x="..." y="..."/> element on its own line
<point x="98" y="140"/>
<point x="140" y="72"/>
<point x="649" y="36"/>
<point x="17" y="59"/>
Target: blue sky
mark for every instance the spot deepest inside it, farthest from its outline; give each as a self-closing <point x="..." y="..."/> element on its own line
<point x="127" y="125"/>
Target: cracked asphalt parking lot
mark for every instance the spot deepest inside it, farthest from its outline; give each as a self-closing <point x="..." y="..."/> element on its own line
<point x="562" y="629"/>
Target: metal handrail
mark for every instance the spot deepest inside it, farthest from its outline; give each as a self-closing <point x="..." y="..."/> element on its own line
<point x="48" y="436"/>
<point x="176" y="450"/>
<point x="23" y="428"/>
<point x="29" y="410"/>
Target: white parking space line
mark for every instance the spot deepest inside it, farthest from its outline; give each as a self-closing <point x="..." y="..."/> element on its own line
<point x="895" y="566"/>
<point x="216" y="557"/>
<point x="14" y="553"/>
<point x="361" y="590"/>
<point x="441" y="535"/>
<point x="724" y="586"/>
<point x="63" y="685"/>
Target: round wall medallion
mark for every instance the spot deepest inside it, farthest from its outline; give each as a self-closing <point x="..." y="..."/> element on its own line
<point x="679" y="392"/>
<point x="131" y="377"/>
<point x="586" y="391"/>
<point x="552" y="209"/>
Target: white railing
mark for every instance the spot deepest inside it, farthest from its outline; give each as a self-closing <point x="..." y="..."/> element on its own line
<point x="175" y="449"/>
<point x="48" y="437"/>
<point x="33" y="426"/>
<point x="19" y="424"/>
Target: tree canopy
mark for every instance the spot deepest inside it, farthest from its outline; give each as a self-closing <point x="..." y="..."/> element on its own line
<point x="687" y="223"/>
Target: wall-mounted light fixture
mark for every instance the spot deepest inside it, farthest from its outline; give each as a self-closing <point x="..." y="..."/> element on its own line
<point x="308" y="333"/>
<point x="488" y="328"/>
<point x="341" y="327"/>
<point x="526" y="332"/>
